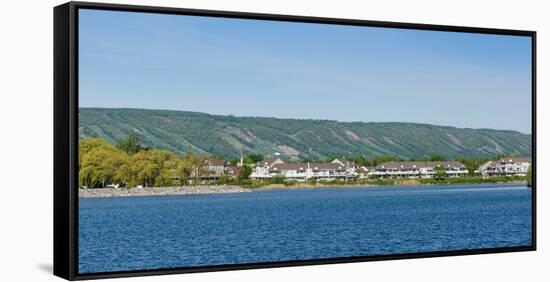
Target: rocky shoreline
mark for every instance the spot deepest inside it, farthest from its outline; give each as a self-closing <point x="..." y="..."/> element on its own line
<point x="159" y="191"/>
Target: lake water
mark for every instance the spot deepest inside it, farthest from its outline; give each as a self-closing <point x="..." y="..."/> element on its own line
<point x="134" y="233"/>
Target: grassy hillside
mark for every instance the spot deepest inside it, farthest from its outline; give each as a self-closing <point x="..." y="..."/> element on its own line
<point x="228" y="135"/>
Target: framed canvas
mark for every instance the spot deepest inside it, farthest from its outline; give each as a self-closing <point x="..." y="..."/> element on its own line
<point x="194" y="140"/>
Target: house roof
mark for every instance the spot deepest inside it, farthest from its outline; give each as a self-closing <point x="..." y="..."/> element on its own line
<point x="417" y="164"/>
<point x="334" y="166"/>
<point x="366" y="168"/>
<point x="215" y="161"/>
<point x="233" y="170"/>
<point x="488" y="164"/>
<point x="343" y="162"/>
<point x="289" y="166"/>
<point x="401" y="165"/>
<point x="270" y="161"/>
<point x="304" y="166"/>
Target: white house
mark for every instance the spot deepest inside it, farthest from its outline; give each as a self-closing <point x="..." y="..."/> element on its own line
<point x="261" y="170"/>
<point x="216" y="168"/>
<point x="337" y="169"/>
<point x="363" y="171"/>
<point x="507" y="166"/>
<point x="351" y="169"/>
<point x="417" y="169"/>
<point x="293" y="171"/>
<point x="330" y="171"/>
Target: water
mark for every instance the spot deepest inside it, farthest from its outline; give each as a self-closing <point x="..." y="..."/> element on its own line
<point x="133" y="233"/>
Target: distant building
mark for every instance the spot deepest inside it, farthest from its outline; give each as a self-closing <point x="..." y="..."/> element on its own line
<point x="261" y="169"/>
<point x="331" y="171"/>
<point x="417" y="169"/>
<point x="337" y="169"/>
<point x="507" y="166"/>
<point x="349" y="165"/>
<point x="233" y="171"/>
<point x="216" y="168"/>
<point x="363" y="171"/>
<point x="293" y="171"/>
<point x="267" y="162"/>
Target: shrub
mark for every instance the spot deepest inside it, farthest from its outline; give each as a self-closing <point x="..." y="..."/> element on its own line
<point x="277" y="180"/>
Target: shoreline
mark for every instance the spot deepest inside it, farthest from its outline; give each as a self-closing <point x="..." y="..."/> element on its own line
<point x="399" y="184"/>
<point x="313" y="186"/>
<point x="160" y="191"/>
<point x="231" y="189"/>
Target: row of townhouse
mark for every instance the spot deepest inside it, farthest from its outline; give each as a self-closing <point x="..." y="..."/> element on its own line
<point x="340" y="169"/>
<point x="343" y="169"/>
<point x="507" y="166"/>
<point x="414" y="169"/>
<point x="272" y="167"/>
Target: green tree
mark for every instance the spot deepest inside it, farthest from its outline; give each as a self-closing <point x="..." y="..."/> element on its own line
<point x="99" y="162"/>
<point x="360" y="161"/>
<point x="330" y="159"/>
<point x="168" y="168"/>
<point x="234" y="161"/>
<point x="223" y="179"/>
<point x="245" y="172"/>
<point x="198" y="166"/>
<point x="146" y="167"/>
<point x="184" y="169"/>
<point x="255" y="158"/>
<point x="382" y="159"/>
<point x="277" y="179"/>
<point x="437" y="158"/>
<point x="130" y="145"/>
<point x="125" y="175"/>
<point x="472" y="164"/>
<point x="440" y="173"/>
<point x="248" y="160"/>
<point x="307" y="160"/>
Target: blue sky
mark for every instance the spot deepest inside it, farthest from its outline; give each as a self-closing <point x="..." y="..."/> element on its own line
<point x="309" y="71"/>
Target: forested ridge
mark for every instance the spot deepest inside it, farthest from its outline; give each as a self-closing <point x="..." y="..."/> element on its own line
<point x="231" y="136"/>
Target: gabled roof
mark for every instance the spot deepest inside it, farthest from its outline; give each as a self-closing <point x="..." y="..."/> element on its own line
<point x="288" y="166"/>
<point x="215" y="161"/>
<point x="366" y="168"/>
<point x="343" y="162"/>
<point x="233" y="170"/>
<point x="421" y="164"/>
<point x="333" y="166"/>
<point x="270" y="161"/>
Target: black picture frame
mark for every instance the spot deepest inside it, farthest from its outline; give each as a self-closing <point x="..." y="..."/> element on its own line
<point x="66" y="136"/>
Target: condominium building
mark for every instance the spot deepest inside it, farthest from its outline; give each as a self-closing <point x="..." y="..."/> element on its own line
<point x="418" y="169"/>
<point x="506" y="166"/>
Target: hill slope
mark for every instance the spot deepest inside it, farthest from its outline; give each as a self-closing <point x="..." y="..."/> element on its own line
<point x="226" y="135"/>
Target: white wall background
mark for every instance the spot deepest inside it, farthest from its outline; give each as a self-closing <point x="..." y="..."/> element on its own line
<point x="26" y="126"/>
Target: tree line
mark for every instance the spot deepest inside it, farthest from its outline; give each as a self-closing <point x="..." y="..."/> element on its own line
<point x="129" y="164"/>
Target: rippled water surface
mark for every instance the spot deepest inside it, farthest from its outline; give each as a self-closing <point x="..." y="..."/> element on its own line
<point x="131" y="233"/>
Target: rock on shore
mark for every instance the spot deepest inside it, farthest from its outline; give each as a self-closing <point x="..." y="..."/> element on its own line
<point x="159" y="191"/>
